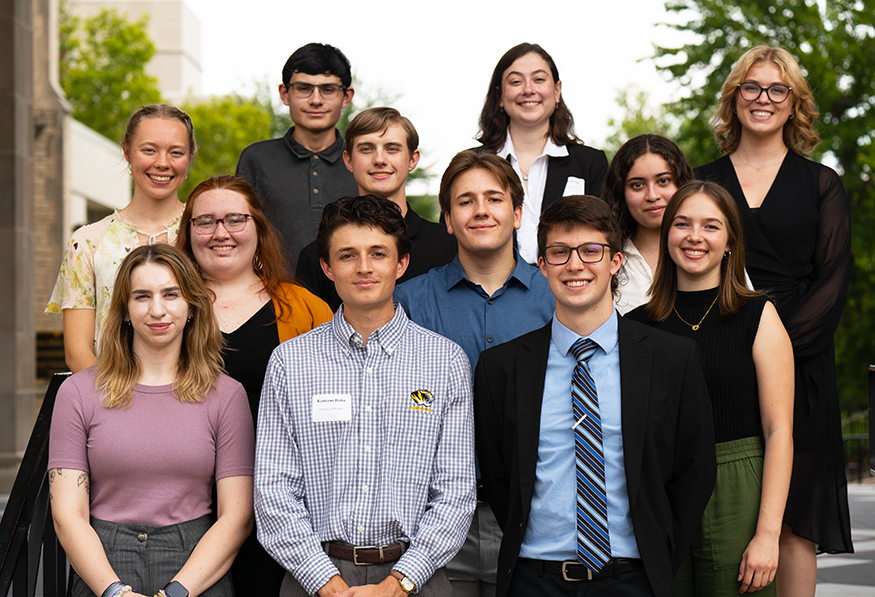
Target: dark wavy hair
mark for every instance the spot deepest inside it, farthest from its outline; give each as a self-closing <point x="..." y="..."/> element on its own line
<point x="733" y="292"/>
<point x="269" y="263"/>
<point x="614" y="188"/>
<point x="494" y="121"/>
<point x="365" y="210"/>
<point x="582" y="210"/>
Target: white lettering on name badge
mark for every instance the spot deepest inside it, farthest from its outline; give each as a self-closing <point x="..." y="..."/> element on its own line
<point x="332" y="407"/>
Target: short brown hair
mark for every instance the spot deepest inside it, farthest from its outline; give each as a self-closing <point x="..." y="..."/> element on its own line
<point x="799" y="134"/>
<point x="471" y="160"/>
<point x="733" y="292"/>
<point x="269" y="263"/>
<point x="581" y="210"/>
<point x="366" y="210"/>
<point x="378" y="120"/>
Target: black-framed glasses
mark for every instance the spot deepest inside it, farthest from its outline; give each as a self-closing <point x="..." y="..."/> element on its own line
<point x="305" y="90"/>
<point x="207" y="224"/>
<point x="751" y="92"/>
<point x="588" y="253"/>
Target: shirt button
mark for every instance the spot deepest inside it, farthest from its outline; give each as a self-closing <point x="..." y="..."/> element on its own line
<point x="367" y="448"/>
<point x="316" y="191"/>
<point x="367" y="409"/>
<point x="489" y="302"/>
<point x="315" y="173"/>
<point x="142" y="537"/>
<point x="361" y="529"/>
<point x="369" y="370"/>
<point x="365" y="488"/>
<point x="315" y="157"/>
<point x="489" y="339"/>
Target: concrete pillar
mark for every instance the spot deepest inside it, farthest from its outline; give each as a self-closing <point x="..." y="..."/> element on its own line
<point x="17" y="349"/>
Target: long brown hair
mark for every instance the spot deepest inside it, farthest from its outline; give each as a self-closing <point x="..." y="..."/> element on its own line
<point x="799" y="134"/>
<point x="269" y="263"/>
<point x="494" y="121"/>
<point x="733" y="293"/>
<point x="200" y="358"/>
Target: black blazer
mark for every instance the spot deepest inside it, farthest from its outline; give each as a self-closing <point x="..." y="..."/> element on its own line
<point x="668" y="441"/>
<point x="582" y="161"/>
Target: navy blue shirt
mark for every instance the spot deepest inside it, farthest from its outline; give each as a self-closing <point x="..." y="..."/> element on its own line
<point x="445" y="301"/>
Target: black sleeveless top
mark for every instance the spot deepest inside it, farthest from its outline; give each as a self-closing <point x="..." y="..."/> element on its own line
<point x="726" y="347"/>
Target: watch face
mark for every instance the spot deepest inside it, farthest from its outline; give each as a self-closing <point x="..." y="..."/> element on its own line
<point x="407" y="585"/>
<point x="175" y="589"/>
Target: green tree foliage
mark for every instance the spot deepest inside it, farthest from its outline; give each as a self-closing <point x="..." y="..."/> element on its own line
<point x="639" y="119"/>
<point x="223" y="126"/>
<point x="102" y="69"/>
<point x="834" y="41"/>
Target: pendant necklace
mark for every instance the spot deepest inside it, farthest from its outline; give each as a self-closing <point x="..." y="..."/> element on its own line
<point x="764" y="165"/>
<point x="696" y="327"/>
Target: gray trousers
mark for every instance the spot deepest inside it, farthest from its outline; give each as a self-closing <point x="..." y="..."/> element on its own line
<point x="374" y="574"/>
<point x="147" y="557"/>
<point x="474" y="569"/>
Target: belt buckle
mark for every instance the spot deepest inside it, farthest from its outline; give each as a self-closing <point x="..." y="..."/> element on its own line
<point x="355" y="554"/>
<point x="565" y="572"/>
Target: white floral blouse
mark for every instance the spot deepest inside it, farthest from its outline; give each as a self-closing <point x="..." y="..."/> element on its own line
<point x="90" y="263"/>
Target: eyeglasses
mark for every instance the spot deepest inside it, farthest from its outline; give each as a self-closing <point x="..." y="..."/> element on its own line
<point x="305" y="90"/>
<point x="751" y="92"/>
<point x="231" y="222"/>
<point x="588" y="253"/>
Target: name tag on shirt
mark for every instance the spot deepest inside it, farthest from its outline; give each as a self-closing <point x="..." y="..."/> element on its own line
<point x="332" y="407"/>
<point x="574" y="186"/>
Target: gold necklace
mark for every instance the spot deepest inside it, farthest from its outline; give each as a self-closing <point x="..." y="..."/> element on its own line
<point x="696" y="327"/>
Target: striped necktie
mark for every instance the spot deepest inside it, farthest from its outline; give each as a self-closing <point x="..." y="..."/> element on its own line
<point x="593" y="542"/>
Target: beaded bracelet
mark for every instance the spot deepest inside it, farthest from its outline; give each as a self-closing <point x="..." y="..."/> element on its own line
<point x="116" y="589"/>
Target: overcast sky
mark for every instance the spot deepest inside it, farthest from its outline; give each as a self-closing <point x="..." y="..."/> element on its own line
<point x="437" y="57"/>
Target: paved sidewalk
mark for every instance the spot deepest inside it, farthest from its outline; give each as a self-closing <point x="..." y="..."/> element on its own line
<point x="853" y="575"/>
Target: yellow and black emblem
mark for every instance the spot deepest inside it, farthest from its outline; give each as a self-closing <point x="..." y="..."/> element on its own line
<point x="422" y="400"/>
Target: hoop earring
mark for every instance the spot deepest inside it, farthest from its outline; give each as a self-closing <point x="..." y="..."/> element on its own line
<point x="726" y="254"/>
<point x="791" y="116"/>
<point x="256" y="263"/>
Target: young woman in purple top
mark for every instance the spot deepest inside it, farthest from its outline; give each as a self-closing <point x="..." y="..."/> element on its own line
<point x="139" y="439"/>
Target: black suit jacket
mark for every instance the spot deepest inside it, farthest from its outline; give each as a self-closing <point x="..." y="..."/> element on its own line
<point x="668" y="441"/>
<point x="582" y="161"/>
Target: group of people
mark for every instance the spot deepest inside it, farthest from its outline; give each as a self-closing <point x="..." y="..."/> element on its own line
<point x="585" y="379"/>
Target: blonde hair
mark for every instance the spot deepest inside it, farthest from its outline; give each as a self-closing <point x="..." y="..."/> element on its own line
<point x="200" y="358"/>
<point x="799" y="134"/>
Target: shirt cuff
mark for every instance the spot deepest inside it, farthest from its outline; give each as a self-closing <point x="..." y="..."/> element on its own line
<point x="315" y="571"/>
<point x="415" y="565"/>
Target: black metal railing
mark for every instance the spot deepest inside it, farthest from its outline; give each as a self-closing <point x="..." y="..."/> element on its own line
<point x="26" y="530"/>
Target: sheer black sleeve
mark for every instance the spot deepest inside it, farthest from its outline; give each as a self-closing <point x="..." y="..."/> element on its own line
<point x="812" y="325"/>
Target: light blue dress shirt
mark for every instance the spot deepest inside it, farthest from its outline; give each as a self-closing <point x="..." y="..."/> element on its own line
<point x="551" y="533"/>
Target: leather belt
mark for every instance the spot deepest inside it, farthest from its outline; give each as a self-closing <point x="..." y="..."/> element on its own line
<point x="575" y="571"/>
<point x="363" y="555"/>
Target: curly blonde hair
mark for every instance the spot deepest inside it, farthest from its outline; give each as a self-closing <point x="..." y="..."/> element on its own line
<point x="799" y="134"/>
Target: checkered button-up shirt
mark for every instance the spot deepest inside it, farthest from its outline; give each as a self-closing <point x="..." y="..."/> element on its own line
<point x="398" y="465"/>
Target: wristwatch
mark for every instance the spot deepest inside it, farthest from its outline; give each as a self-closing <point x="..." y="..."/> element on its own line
<point x="175" y="589"/>
<point x="406" y="584"/>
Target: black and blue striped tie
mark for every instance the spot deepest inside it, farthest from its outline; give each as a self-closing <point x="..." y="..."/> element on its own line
<point x="593" y="541"/>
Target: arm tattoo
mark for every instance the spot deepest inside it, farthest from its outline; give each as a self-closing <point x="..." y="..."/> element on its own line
<point x="82" y="481"/>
